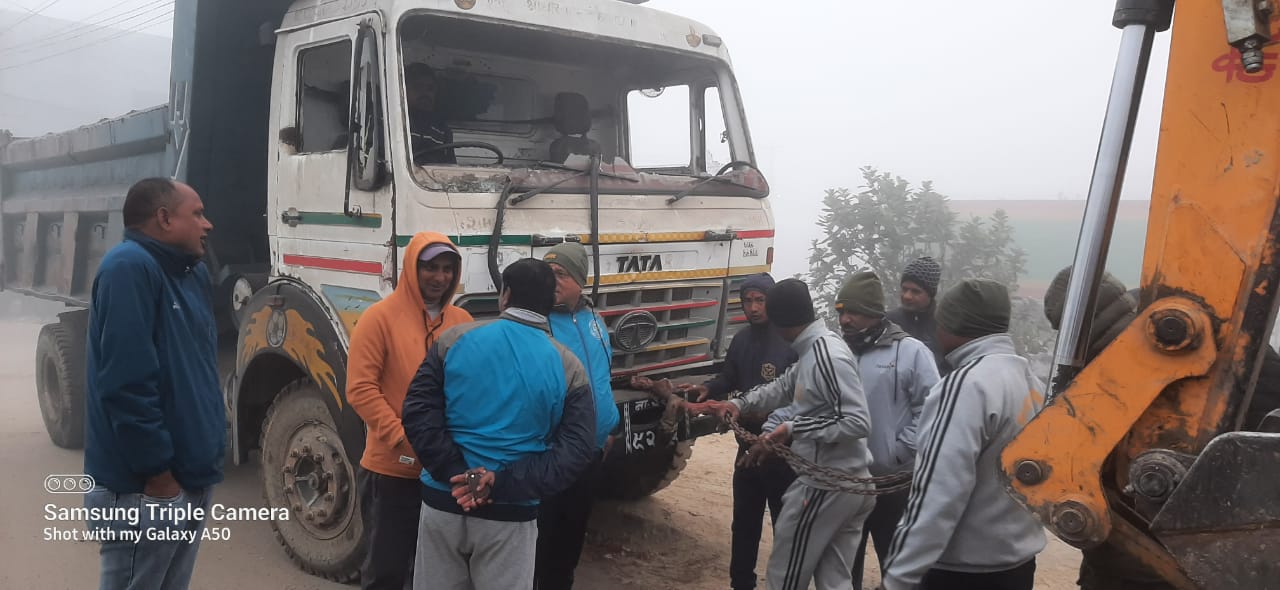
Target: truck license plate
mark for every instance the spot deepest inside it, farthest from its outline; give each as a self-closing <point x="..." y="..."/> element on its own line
<point x="638" y="442"/>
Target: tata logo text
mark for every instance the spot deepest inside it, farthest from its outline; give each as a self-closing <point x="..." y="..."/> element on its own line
<point x="640" y="263"/>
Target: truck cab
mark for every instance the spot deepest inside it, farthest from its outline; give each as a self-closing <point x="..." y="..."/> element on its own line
<point x="323" y="134"/>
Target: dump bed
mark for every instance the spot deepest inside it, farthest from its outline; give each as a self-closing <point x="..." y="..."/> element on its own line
<point x="61" y="195"/>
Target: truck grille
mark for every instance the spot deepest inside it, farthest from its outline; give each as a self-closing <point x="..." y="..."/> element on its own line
<point x="685" y="320"/>
<point x="686" y="314"/>
<point x="734" y="318"/>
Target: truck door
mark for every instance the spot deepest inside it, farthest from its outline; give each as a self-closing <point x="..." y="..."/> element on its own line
<point x="331" y="202"/>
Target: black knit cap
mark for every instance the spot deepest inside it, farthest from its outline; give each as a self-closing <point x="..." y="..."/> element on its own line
<point x="757" y="282"/>
<point x="926" y="272"/>
<point x="789" y="305"/>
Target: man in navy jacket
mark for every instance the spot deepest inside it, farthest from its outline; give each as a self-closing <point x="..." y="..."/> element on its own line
<point x="155" y="421"/>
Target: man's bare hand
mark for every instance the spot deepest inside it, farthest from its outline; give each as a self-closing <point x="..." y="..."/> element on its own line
<point x="471" y="489"/>
<point x="162" y="486"/>
<point x="722" y="410"/>
<point x="698" y="392"/>
<point x="780" y="435"/>
<point x="755" y="456"/>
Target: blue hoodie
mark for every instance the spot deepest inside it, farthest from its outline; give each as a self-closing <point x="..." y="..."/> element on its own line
<point x="153" y="403"/>
<point x="585" y="333"/>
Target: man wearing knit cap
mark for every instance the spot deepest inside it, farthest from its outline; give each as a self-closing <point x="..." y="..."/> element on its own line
<point x="897" y="372"/>
<point x="961" y="529"/>
<point x="919" y="288"/>
<point x="757" y="355"/>
<point x="562" y="519"/>
<point x="820" y="525"/>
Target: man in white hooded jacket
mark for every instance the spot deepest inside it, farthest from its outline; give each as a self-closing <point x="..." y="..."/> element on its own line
<point x="962" y="529"/>
<point x="897" y="372"/>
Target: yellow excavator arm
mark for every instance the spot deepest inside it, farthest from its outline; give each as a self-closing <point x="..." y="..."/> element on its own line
<point x="1143" y="447"/>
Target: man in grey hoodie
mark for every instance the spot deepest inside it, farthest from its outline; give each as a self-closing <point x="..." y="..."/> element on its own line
<point x="819" y="528"/>
<point x="897" y="372"/>
<point x="961" y="529"/>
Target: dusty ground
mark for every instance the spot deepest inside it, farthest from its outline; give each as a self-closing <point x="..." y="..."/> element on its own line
<point x="677" y="539"/>
<point x="680" y="536"/>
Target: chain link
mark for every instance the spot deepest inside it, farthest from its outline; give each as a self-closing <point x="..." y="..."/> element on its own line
<point x="826" y="476"/>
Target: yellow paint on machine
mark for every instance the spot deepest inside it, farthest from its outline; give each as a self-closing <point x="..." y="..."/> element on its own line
<point x="301" y="344"/>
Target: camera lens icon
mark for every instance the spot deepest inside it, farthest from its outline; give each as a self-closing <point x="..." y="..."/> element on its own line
<point x="69" y="484"/>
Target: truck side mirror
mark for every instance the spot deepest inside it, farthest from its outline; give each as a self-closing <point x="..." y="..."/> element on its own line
<point x="367" y="151"/>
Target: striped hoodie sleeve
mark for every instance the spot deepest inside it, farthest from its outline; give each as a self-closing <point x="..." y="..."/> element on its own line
<point x="769" y="396"/>
<point x="951" y="441"/>
<point x="835" y="379"/>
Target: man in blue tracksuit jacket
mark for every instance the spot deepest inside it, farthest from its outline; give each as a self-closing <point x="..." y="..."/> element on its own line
<point x="155" y="421"/>
<point x="504" y="403"/>
<point x="562" y="519"/>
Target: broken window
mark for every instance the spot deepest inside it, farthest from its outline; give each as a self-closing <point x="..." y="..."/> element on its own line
<point x="323" y="103"/>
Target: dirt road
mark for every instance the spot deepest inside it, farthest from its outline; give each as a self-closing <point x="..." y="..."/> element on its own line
<point x="677" y="539"/>
<point x="680" y="536"/>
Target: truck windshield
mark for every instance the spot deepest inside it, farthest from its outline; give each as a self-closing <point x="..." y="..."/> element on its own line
<point x="479" y="94"/>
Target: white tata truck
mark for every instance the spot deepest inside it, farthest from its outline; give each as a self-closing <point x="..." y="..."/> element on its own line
<point x="520" y="124"/>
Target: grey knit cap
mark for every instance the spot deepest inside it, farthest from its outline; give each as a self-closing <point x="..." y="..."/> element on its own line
<point x="926" y="272"/>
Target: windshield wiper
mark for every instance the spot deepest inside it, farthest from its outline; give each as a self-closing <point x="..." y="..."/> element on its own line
<point x="525" y="196"/>
<point x="578" y="173"/>
<point x="718" y="177"/>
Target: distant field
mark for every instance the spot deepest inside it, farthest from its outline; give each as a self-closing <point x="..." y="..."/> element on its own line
<point x="1048" y="230"/>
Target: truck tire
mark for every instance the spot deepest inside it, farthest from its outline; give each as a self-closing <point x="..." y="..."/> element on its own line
<point x="632" y="477"/>
<point x="305" y="470"/>
<point x="60" y="384"/>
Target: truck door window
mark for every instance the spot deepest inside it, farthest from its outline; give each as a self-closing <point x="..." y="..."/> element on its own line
<point x="715" y="134"/>
<point x="324" y="97"/>
<point x="658" y="120"/>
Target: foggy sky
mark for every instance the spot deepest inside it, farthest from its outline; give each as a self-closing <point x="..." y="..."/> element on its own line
<point x="994" y="100"/>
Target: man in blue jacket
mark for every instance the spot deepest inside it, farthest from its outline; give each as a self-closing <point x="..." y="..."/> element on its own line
<point x="562" y="519"/>
<point x="156" y="428"/>
<point x="501" y="416"/>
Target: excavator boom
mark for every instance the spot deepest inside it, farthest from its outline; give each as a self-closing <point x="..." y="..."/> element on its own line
<point x="1144" y="449"/>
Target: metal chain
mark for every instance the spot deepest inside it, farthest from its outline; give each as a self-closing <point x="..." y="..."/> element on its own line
<point x="827" y="476"/>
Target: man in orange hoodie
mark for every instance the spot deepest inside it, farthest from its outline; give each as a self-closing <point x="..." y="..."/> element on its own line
<point x="388" y="346"/>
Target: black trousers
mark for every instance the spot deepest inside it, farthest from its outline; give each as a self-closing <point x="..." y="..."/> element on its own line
<point x="562" y="531"/>
<point x="753" y="489"/>
<point x="1022" y="577"/>
<point x="880" y="526"/>
<point x="390" y="507"/>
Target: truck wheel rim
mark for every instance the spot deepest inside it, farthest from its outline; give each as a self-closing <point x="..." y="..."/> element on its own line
<point x="317" y="481"/>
